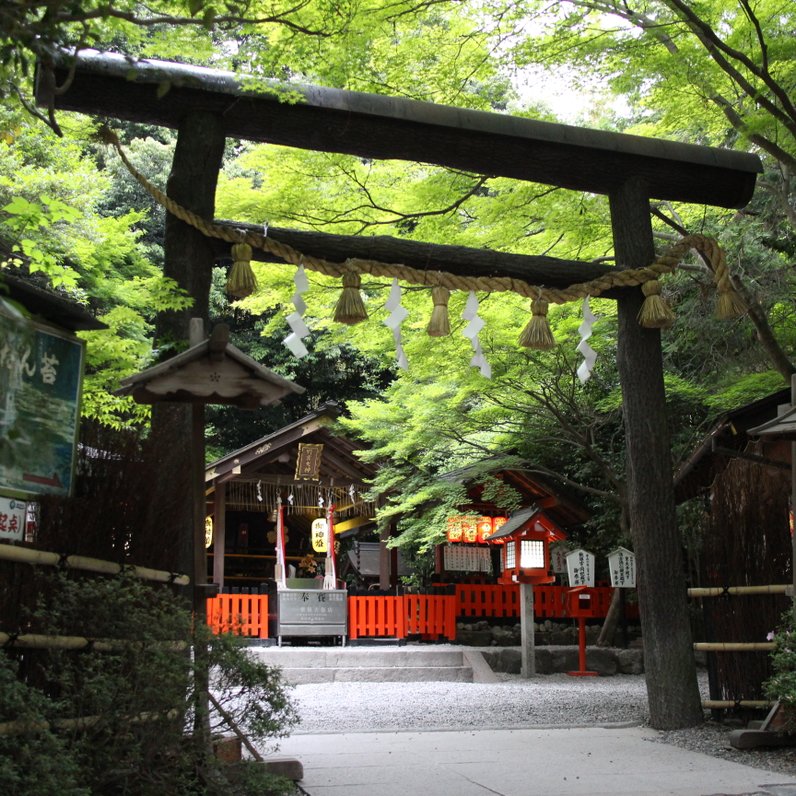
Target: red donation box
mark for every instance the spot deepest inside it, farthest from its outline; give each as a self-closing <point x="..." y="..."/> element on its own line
<point x="526" y="539"/>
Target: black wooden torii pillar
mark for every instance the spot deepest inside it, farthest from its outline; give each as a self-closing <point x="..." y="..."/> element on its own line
<point x="207" y="106"/>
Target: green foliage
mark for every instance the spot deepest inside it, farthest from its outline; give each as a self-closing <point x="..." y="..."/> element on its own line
<point x="137" y="697"/>
<point x="52" y="228"/>
<point x="782" y="684"/>
<point x="40" y="764"/>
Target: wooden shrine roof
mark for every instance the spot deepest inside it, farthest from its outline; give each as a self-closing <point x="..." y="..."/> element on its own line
<point x="727" y="438"/>
<point x="272" y="458"/>
<point x="378" y="126"/>
<point x="47" y="305"/>
<point x="211" y="371"/>
<point x="537" y="490"/>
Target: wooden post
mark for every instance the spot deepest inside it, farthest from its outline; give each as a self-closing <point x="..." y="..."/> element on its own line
<point x="672" y="688"/>
<point x="219" y="534"/>
<point x="792" y="507"/>
<point x="384" y="558"/>
<point x="179" y="429"/>
<point x="527" y="638"/>
<point x="188" y="259"/>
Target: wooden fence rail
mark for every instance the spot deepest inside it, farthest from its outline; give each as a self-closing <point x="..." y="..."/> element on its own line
<point x="430" y="616"/>
<point x="737" y="646"/>
<point x="549" y="602"/>
<point x="242" y="614"/>
<point x="29" y="555"/>
<point x="377" y="616"/>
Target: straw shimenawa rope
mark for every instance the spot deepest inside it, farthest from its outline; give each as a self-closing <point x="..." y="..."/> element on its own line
<point x="654" y="312"/>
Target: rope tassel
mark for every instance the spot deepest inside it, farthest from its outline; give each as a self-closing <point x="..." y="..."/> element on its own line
<point x="439" y="325"/>
<point x="655" y="313"/>
<point x="241" y="281"/>
<point x="537" y="334"/>
<point x="728" y="303"/>
<point x="350" y="308"/>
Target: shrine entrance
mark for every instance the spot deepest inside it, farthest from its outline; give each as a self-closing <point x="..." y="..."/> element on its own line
<point x="206" y="107"/>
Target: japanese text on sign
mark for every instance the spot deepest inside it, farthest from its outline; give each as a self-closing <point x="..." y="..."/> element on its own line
<point x="312" y="607"/>
<point x="12" y="519"/>
<point x="580" y="568"/>
<point x="622" y="564"/>
<point x="40" y="380"/>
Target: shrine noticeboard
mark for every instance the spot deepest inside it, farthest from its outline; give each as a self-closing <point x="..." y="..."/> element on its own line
<point x="41" y="372"/>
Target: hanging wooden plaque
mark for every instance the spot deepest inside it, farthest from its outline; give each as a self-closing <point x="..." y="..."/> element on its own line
<point x="308" y="462"/>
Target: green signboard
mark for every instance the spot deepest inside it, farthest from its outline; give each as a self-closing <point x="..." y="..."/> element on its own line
<point x="41" y="373"/>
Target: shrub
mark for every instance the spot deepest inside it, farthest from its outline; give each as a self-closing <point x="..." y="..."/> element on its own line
<point x="137" y="697"/>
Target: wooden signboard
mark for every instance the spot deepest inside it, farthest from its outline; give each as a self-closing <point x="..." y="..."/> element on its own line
<point x="41" y="371"/>
<point x="622" y="565"/>
<point x="12" y="519"/>
<point x="580" y="568"/>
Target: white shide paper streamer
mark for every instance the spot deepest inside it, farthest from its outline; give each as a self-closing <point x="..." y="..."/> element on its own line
<point x="294" y="341"/>
<point x="584" y="349"/>
<point x="393" y="321"/>
<point x="472" y="330"/>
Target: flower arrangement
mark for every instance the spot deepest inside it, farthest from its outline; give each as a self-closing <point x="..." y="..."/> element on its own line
<point x="308" y="565"/>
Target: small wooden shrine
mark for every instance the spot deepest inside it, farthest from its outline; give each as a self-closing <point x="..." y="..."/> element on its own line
<point x="304" y="467"/>
<point x="470" y="552"/>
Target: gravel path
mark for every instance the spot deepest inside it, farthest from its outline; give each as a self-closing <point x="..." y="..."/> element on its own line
<point x="545" y="701"/>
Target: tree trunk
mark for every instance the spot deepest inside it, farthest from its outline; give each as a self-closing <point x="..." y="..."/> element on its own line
<point x="188" y="259"/>
<point x="672" y="689"/>
<point x="608" y="630"/>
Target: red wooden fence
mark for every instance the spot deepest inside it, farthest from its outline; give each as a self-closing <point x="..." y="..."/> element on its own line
<point x="376" y="617"/>
<point x="549" y="602"/>
<point x="431" y="616"/>
<point x="243" y="614"/>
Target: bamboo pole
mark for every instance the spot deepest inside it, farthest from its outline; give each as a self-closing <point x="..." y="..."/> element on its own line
<point x="38" y="641"/>
<point x="28" y="555"/>
<point x="728" y="704"/>
<point x="721" y="591"/>
<point x="734" y="646"/>
<point x="83" y="723"/>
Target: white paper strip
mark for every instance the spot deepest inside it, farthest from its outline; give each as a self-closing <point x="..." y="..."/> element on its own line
<point x="584" y="349"/>
<point x="299" y="330"/>
<point x="393" y="321"/>
<point x="474" y="326"/>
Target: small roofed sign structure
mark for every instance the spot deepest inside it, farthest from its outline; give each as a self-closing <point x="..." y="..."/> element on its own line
<point x="210" y="372"/>
<point x="526" y="539"/>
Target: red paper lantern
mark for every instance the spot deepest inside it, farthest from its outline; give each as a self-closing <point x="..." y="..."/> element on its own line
<point x="497" y="524"/>
<point x="454" y="529"/>
<point x="470" y="529"/>
<point x="484" y="526"/>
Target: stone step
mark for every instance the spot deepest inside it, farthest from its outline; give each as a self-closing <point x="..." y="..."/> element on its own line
<point x="345" y="664"/>
<point x="388" y="674"/>
<point x="352" y="657"/>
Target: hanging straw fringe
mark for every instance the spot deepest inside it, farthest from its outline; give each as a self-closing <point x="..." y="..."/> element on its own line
<point x="537" y="334"/>
<point x="439" y="325"/>
<point x="655" y="313"/>
<point x="350" y="308"/>
<point x="241" y="281"/>
<point x="728" y="303"/>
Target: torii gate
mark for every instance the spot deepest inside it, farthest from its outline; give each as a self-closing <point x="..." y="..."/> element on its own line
<point x="207" y="106"/>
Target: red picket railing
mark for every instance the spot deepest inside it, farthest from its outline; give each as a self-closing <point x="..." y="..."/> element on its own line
<point x="242" y="614"/>
<point x="431" y="615"/>
<point x="488" y="599"/>
<point x="549" y="602"/>
<point x="376" y="616"/>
